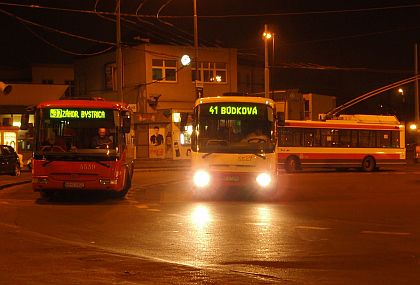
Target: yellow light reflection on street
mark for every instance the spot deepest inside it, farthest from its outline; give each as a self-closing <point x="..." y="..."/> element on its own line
<point x="201" y="216"/>
<point x="264" y="215"/>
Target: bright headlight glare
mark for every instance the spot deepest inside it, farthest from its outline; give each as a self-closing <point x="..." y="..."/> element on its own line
<point x="201" y="178"/>
<point x="263" y="179"/>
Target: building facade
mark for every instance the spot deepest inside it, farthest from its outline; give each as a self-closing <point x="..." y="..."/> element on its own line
<point x="30" y="86"/>
<point x="160" y="90"/>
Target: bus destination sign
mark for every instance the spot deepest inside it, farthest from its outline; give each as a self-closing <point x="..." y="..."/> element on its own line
<point x="77" y="114"/>
<point x="237" y="110"/>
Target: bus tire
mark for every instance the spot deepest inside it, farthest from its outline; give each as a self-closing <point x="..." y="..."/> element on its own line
<point x="292" y="164"/>
<point x="368" y="164"/>
<point x="126" y="187"/>
<point x="47" y="195"/>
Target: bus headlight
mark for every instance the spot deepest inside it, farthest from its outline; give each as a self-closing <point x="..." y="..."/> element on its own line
<point x="201" y="178"/>
<point x="263" y="179"/>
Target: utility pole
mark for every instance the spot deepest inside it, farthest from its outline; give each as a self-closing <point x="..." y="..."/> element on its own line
<point x="118" y="54"/>
<point x="416" y="83"/>
<point x="266" y="69"/>
<point x="198" y="89"/>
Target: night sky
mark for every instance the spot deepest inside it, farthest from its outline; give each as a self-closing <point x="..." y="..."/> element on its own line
<point x="339" y="48"/>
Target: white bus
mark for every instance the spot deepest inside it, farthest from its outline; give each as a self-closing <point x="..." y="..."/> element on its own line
<point x="234" y="144"/>
<point x="350" y="141"/>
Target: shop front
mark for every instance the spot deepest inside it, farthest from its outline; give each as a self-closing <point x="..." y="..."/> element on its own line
<point x="165" y="134"/>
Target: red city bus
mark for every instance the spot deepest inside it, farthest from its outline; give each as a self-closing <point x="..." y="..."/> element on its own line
<point x="64" y="157"/>
<point x="350" y="141"/>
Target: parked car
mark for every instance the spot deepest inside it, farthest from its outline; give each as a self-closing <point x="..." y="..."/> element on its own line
<point x="9" y="161"/>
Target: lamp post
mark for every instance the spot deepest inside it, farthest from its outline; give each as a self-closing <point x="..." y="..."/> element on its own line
<point x="118" y="53"/>
<point x="198" y="89"/>
<point x="401" y="91"/>
<point x="416" y="84"/>
<point x="404" y="116"/>
<point x="266" y="36"/>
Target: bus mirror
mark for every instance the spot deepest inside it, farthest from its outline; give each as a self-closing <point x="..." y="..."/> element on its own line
<point x="24" y="122"/>
<point x="126" y="124"/>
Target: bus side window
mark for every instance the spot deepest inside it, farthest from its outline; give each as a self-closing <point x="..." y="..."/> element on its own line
<point x="309" y="138"/>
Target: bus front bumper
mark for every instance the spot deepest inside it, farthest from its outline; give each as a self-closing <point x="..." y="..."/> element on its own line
<point x="46" y="183"/>
<point x="203" y="179"/>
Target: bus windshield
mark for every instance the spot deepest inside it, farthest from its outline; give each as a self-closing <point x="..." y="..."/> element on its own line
<point x="234" y="128"/>
<point x="67" y="133"/>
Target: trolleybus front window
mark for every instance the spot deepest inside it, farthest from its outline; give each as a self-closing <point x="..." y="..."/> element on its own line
<point x="233" y="127"/>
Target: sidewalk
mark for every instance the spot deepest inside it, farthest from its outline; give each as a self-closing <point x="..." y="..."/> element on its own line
<point x="141" y="164"/>
<point x="8" y="180"/>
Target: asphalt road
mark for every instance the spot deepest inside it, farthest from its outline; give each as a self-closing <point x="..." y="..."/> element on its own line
<point x="326" y="227"/>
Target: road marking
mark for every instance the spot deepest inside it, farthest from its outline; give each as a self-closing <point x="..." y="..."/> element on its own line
<point x="142" y="206"/>
<point x="386" y="233"/>
<point x="153" y="210"/>
<point x="312" y="228"/>
<point x="258" y="224"/>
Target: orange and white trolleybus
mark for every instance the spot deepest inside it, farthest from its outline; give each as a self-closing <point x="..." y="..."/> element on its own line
<point x="349" y="141"/>
<point x="64" y="158"/>
<point x="233" y="144"/>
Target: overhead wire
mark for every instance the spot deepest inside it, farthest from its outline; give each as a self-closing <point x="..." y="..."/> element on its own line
<point x="53" y="29"/>
<point x="160" y="30"/>
<point x="26" y="24"/>
<point x="222" y="16"/>
<point x="168" y="23"/>
<point x="159" y="18"/>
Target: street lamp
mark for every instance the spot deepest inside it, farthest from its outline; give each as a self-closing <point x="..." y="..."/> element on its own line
<point x="266" y="36"/>
<point x="401" y="91"/>
<point x="185" y="60"/>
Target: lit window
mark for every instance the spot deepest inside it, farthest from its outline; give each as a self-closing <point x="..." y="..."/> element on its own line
<point x="211" y="72"/>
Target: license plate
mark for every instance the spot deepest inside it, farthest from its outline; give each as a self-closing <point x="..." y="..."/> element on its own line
<point x="232" y="178"/>
<point x="74" y="185"/>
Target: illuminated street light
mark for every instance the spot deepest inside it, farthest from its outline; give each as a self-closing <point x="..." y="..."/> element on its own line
<point x="413" y="126"/>
<point x="401" y="91"/>
<point x="185" y="60"/>
<point x="267" y="35"/>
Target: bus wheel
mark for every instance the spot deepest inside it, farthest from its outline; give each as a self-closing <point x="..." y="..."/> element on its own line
<point x="47" y="195"/>
<point x="368" y="164"/>
<point x="292" y="164"/>
<point x="127" y="186"/>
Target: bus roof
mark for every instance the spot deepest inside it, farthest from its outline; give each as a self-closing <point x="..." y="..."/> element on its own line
<point x="345" y="124"/>
<point x="83" y="103"/>
<point x="370" y="119"/>
<point x="234" y="99"/>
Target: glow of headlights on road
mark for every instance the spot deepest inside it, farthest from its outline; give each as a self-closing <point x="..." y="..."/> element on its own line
<point x="263" y="179"/>
<point x="201" y="178"/>
<point x="201" y="216"/>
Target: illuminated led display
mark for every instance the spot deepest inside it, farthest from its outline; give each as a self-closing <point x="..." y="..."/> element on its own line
<point x="77" y="114"/>
<point x="233" y="110"/>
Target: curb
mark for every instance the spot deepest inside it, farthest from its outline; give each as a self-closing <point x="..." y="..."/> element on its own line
<point x="14" y="184"/>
